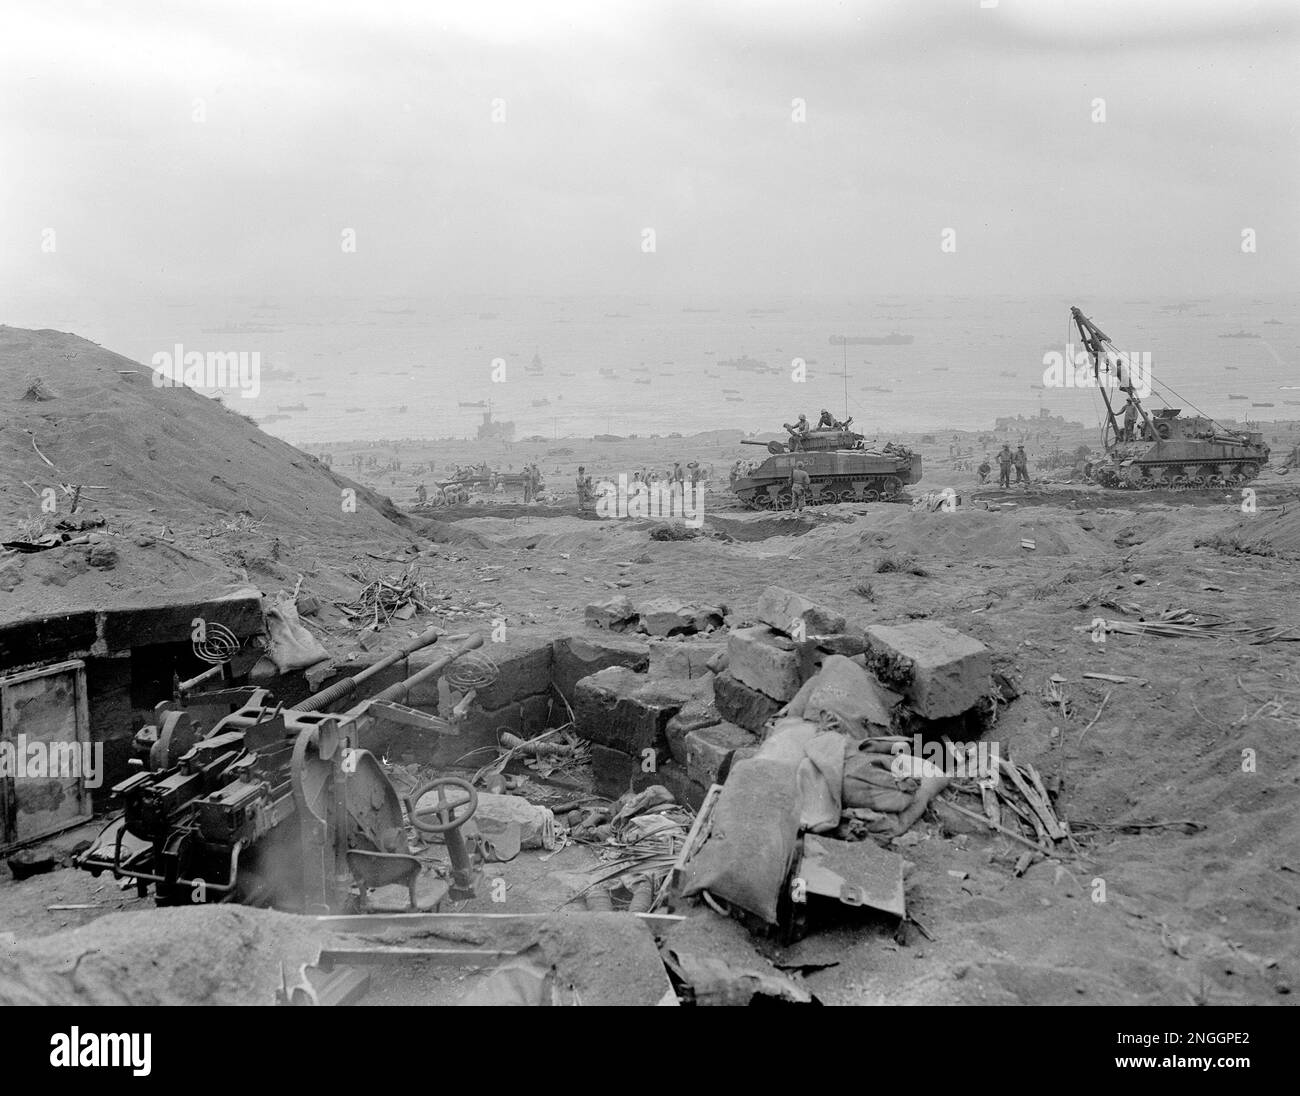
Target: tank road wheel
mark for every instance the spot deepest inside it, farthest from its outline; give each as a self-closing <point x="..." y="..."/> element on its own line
<point x="761" y="500"/>
<point x="1248" y="471"/>
<point x="870" y="495"/>
<point x="1180" y="483"/>
<point x="1159" y="476"/>
<point x="784" y="499"/>
<point x="890" y="488"/>
<point x="848" y="495"/>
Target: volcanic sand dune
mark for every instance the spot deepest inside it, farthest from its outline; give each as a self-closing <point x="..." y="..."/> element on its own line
<point x="178" y="478"/>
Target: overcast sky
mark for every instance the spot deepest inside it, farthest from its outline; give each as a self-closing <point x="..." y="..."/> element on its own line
<point x="192" y="149"/>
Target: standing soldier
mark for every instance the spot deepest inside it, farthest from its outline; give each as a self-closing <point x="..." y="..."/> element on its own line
<point x="528" y="484"/>
<point x="799" y="484"/>
<point x="582" y="489"/>
<point x="1022" y="466"/>
<point x="1005" y="460"/>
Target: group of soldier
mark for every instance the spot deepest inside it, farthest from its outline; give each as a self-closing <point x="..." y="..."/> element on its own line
<point x="801" y="428"/>
<point x="532" y="482"/>
<point x="1007" y="460"/>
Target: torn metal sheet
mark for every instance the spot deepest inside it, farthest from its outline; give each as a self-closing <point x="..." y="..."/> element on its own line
<point x="857" y="873"/>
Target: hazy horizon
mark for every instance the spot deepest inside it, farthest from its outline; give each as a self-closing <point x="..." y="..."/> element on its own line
<point x="221" y="151"/>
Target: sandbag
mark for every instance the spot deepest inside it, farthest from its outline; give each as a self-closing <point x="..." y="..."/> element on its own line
<point x="291" y="646"/>
<point x="752" y="838"/>
<point x="818" y="758"/>
<point x="870" y="782"/>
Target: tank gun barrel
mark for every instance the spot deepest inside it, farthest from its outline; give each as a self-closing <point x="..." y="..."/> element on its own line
<point x="753" y="441"/>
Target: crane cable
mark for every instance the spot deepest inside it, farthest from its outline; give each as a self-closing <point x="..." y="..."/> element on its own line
<point x="1177" y="395"/>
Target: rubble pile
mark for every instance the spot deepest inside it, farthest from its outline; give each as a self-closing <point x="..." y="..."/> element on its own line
<point x="800" y="725"/>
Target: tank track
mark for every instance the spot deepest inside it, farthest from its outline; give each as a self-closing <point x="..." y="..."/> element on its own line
<point x="1183" y="476"/>
<point x="878" y="489"/>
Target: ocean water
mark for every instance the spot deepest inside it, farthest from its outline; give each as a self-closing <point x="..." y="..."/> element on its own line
<point x="354" y="364"/>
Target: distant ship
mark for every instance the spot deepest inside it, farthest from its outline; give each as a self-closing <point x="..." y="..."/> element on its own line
<point x="641" y="380"/>
<point x="1232" y="397"/>
<point x="242" y="329"/>
<point x="1240" y="335"/>
<point x="745" y="363"/>
<point x="639" y="369"/>
<point x="353" y="410"/>
<point x="734" y="399"/>
<point x="1261" y="405"/>
<point x="476" y="403"/>
<point x="1273" y="321"/>
<point x="939" y="369"/>
<point x="1293" y="403"/>
<point x="1230" y="368"/>
<point x="291" y="407"/>
<point x="731" y="391"/>
<point x="535" y="366"/>
<point x="541" y="403"/>
<point x="894" y="338"/>
<point x="495" y="431"/>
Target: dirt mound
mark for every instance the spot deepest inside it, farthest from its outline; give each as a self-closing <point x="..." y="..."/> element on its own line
<point x="1272" y="534"/>
<point x="977" y="534"/>
<point x="199" y="955"/>
<point x="144" y="447"/>
<point x="159" y="465"/>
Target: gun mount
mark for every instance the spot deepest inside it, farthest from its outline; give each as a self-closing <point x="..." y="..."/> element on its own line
<point x="282" y="806"/>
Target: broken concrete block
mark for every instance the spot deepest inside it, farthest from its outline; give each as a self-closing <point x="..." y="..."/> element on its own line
<point x="627" y="711"/>
<point x="764" y="660"/>
<point x="845" y="691"/>
<point x="525" y="670"/>
<point x="696" y="713"/>
<point x="681" y="659"/>
<point x="849" y="643"/>
<point x="614" y="615"/>
<point x="35" y="861"/>
<point x="576" y="657"/>
<point x="671" y="616"/>
<point x="793" y="613"/>
<point x="941" y="671"/>
<point x="738" y="703"/>
<point x="709" y="750"/>
<point x="616" y="772"/>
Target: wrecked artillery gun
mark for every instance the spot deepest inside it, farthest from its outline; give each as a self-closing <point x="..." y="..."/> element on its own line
<point x="840" y="468"/>
<point x="242" y="799"/>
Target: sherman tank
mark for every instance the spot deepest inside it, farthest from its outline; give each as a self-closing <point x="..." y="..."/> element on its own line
<point x="839" y="464"/>
<point x="1149" y="449"/>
